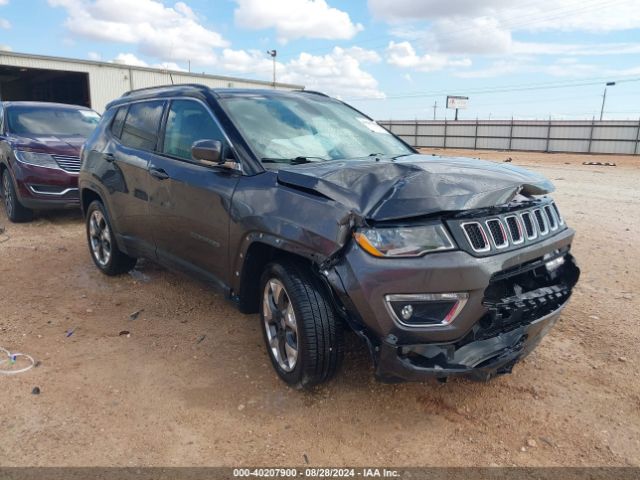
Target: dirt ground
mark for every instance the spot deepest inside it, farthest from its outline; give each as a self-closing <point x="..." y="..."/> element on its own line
<point x="192" y="385"/>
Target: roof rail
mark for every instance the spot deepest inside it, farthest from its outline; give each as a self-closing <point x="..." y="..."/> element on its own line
<point x="196" y="86"/>
<point x="313" y="92"/>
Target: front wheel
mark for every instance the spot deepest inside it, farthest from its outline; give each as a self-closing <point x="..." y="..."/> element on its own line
<point x="16" y="212"/>
<point x="102" y="244"/>
<point x="304" y="337"/>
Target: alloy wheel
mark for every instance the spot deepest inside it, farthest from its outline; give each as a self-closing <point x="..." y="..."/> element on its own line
<point x="280" y="324"/>
<point x="100" y="238"/>
<point x="8" y="195"/>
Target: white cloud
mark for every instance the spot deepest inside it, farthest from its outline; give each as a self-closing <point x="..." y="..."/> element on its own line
<point x="94" y="56"/>
<point x="402" y="54"/>
<point x="5" y="48"/>
<point x="338" y="72"/>
<point x="363" y="55"/>
<point x="131" y="59"/>
<point x="479" y="35"/>
<point x="4" y="23"/>
<point x="245" y="61"/>
<point x="296" y="19"/>
<point x="471" y="27"/>
<point x="562" y="15"/>
<point x="171" y="34"/>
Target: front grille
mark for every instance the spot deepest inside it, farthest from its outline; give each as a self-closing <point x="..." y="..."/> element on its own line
<point x="542" y="225"/>
<point x="551" y="217"/>
<point x="497" y="232"/>
<point x="493" y="232"/>
<point x="68" y="163"/>
<point x="558" y="216"/>
<point x="476" y="236"/>
<point x="528" y="225"/>
<point x="514" y="229"/>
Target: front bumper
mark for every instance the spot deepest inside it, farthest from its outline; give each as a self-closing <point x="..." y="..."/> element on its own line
<point x="504" y="318"/>
<point x="41" y="188"/>
<point x="480" y="360"/>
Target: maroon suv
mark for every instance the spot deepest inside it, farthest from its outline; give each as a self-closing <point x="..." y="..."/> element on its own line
<point x="40" y="155"/>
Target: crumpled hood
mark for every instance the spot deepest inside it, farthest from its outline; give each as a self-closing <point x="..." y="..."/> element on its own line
<point x="52" y="144"/>
<point x="415" y="185"/>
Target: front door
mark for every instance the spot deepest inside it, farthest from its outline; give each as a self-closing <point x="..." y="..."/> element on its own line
<point x="190" y="202"/>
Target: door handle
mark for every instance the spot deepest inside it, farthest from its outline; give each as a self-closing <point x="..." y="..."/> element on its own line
<point x="109" y="157"/>
<point x="158" y="173"/>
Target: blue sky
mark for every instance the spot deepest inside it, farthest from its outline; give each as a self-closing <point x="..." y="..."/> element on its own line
<point x="390" y="58"/>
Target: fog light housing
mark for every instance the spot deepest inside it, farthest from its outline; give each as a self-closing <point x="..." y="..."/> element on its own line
<point x="425" y="309"/>
<point x="553" y="260"/>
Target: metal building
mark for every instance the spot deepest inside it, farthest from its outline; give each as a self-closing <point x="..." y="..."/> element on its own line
<point x="94" y="84"/>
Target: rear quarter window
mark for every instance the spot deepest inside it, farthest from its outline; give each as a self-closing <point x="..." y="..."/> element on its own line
<point x="118" y="121"/>
<point x="140" y="129"/>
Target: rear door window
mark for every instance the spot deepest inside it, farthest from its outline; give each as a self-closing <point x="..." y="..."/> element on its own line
<point x="141" y="126"/>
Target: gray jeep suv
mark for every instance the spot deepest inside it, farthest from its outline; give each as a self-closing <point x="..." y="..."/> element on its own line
<point x="303" y="209"/>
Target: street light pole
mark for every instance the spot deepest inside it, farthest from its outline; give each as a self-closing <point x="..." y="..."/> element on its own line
<point x="273" y="54"/>
<point x="604" y="97"/>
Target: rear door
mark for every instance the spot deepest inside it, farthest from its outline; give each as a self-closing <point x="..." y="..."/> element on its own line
<point x="135" y="131"/>
<point x="190" y="202"/>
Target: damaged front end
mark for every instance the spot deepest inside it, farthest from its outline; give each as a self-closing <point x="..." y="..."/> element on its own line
<point x="444" y="266"/>
<point x="521" y="304"/>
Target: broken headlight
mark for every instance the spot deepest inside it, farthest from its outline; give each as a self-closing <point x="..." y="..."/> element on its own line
<point x="404" y="241"/>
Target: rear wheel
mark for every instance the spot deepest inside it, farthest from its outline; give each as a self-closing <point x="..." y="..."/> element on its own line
<point x="102" y="244"/>
<point x="16" y="212"/>
<point x="302" y="333"/>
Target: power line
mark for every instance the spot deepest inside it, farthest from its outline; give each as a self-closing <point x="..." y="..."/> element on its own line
<point x="505" y="89"/>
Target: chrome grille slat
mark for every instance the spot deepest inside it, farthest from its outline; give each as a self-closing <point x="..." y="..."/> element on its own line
<point x="498" y="233"/>
<point x="476" y="236"/>
<point x="515" y="229"/>
<point x="68" y="163"/>
<point x="543" y="228"/>
<point x="530" y="229"/>
<point x="553" y="223"/>
<point x="558" y="216"/>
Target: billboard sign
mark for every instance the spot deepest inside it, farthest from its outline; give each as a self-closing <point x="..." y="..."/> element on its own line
<point x="455" y="102"/>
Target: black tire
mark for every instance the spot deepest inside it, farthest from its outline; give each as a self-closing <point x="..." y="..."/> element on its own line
<point x="319" y="336"/>
<point x="16" y="212"/>
<point x="112" y="261"/>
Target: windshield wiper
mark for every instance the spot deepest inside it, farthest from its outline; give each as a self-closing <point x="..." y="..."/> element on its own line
<point x="292" y="161"/>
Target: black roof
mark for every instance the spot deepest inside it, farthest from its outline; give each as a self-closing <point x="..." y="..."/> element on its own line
<point x="200" y="91"/>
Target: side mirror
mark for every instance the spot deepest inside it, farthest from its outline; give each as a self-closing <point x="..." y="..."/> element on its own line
<point x="207" y="152"/>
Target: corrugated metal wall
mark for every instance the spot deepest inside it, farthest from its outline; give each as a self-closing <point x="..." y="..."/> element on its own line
<point x="108" y="81"/>
<point x="608" y="136"/>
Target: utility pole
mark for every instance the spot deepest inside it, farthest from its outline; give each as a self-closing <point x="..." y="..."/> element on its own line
<point x="435" y="107"/>
<point x="189" y="66"/>
<point x="604" y="97"/>
<point x="273" y="54"/>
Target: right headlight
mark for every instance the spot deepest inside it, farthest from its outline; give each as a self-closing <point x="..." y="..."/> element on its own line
<point x="404" y="241"/>
<point x="36" y="159"/>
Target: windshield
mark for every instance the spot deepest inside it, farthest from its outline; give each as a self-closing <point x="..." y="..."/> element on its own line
<point x="62" y="121"/>
<point x="308" y="127"/>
